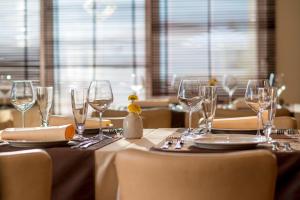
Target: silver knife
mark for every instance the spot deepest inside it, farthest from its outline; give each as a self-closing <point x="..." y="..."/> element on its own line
<point x="89" y="144"/>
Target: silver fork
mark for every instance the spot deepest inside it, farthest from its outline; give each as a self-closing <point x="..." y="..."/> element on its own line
<point x="89" y="144"/>
<point x="179" y="143"/>
<point x="167" y="143"/>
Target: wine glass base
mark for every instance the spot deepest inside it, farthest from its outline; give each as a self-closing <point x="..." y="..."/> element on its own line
<point x="80" y="138"/>
<point x="190" y="135"/>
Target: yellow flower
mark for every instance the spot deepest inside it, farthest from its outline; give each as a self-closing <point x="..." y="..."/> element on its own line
<point x="133" y="97"/>
<point x="134" y="108"/>
<point x="212" y="82"/>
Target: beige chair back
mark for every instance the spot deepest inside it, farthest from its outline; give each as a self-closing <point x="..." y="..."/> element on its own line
<point x="6" y="119"/>
<point x="25" y="175"/>
<point x="285" y="122"/>
<point x="248" y="175"/>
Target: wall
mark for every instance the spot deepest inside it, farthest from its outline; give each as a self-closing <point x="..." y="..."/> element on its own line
<point x="288" y="47"/>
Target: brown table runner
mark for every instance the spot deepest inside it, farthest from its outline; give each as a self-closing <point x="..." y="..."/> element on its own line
<point x="73" y="170"/>
<point x="288" y="178"/>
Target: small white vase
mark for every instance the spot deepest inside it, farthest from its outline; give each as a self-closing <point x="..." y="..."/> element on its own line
<point x="133" y="126"/>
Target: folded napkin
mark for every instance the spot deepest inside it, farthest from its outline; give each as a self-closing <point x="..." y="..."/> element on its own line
<point x="52" y="133"/>
<point x="57" y="120"/>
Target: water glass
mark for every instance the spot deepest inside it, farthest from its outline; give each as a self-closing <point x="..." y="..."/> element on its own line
<point x="100" y="97"/>
<point x="271" y="109"/>
<point x="209" y="105"/>
<point x="22" y="97"/>
<point x="44" y="96"/>
<point x="80" y="109"/>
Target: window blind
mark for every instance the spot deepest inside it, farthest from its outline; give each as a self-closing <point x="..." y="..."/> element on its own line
<point x="211" y="38"/>
<point x="98" y="39"/>
<point x="19" y="39"/>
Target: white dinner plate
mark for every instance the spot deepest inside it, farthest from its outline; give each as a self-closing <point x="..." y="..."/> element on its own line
<point x="26" y="143"/>
<point x="228" y="141"/>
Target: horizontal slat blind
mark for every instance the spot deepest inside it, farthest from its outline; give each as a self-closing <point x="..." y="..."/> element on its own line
<point x="97" y="39"/>
<point x="211" y="38"/>
<point x="19" y="39"/>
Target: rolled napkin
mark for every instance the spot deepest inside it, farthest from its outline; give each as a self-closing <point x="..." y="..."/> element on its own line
<point x="57" y="120"/>
<point x="249" y="123"/>
<point x="52" y="133"/>
<point x="236" y="123"/>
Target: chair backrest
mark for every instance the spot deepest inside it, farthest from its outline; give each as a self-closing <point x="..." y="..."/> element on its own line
<point x="248" y="175"/>
<point x="284" y="122"/>
<point x="25" y="175"/>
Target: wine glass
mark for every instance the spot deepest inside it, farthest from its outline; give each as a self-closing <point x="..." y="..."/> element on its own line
<point x="271" y="111"/>
<point x="256" y="97"/>
<point x="22" y="97"/>
<point x="230" y="84"/>
<point x="208" y="95"/>
<point x="279" y="83"/>
<point x="138" y="83"/>
<point x="188" y="96"/>
<point x="79" y="109"/>
<point x="44" y="96"/>
<point x="100" y="97"/>
<point x="5" y="86"/>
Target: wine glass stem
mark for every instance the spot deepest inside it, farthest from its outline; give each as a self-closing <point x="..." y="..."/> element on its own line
<point x="100" y="126"/>
<point x="207" y="126"/>
<point x="23" y="119"/>
<point x="230" y="99"/>
<point x="44" y="122"/>
<point x="190" y="119"/>
<point x="258" y="123"/>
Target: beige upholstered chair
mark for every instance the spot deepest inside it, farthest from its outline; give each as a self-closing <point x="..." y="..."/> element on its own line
<point x="248" y="175"/>
<point x="25" y="175"/>
<point x="6" y="119"/>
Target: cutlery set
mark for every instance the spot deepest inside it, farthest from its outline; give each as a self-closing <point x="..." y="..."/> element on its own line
<point x="85" y="144"/>
<point x="95" y="140"/>
<point x="289" y="131"/>
<point x="170" y="140"/>
<point x="284" y="147"/>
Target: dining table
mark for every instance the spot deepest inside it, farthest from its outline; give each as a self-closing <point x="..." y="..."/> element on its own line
<point x="91" y="174"/>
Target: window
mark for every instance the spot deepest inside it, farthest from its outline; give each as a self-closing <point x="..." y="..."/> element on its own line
<point x="210" y="38"/>
<point x="102" y="39"/>
<point x="19" y="39"/>
<point x="134" y="43"/>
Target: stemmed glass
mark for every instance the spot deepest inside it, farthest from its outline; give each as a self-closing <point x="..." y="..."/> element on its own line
<point x="279" y="83"/>
<point x="257" y="98"/>
<point x="138" y="83"/>
<point x="80" y="109"/>
<point x="268" y="123"/>
<point x="5" y="86"/>
<point x="100" y="97"/>
<point x="230" y="84"/>
<point x="209" y="105"/>
<point x="44" y="96"/>
<point x="22" y="97"/>
<point x="188" y="96"/>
